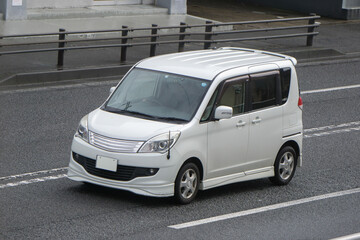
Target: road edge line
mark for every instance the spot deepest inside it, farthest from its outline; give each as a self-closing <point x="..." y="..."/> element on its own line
<point x="263" y="209"/>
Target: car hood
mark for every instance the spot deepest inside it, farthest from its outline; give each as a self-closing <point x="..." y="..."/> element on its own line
<point x="124" y="127"/>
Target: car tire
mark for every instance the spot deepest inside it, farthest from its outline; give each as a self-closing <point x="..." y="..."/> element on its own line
<point x="187" y="183"/>
<point x="285" y="166"/>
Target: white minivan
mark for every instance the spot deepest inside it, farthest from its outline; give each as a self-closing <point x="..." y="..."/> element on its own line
<point x="190" y="121"/>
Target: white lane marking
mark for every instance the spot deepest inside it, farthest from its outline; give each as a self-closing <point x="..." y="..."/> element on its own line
<point x="330" y="89"/>
<point x="332" y="132"/>
<point x="32" y="174"/>
<point x="263" y="209"/>
<point x="334" y="129"/>
<point x="34" y="180"/>
<point x="343" y="125"/>
<point x="354" y="236"/>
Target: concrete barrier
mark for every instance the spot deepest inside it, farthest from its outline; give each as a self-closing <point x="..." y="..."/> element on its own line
<point x="58" y="4"/>
<point x="13" y="9"/>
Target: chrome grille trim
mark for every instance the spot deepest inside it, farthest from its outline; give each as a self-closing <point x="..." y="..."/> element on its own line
<point x="113" y="144"/>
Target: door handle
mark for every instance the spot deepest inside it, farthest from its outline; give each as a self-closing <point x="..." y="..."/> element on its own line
<point x="256" y="120"/>
<point x="241" y="123"/>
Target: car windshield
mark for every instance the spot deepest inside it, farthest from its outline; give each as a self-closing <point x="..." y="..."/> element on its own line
<point x="157" y="95"/>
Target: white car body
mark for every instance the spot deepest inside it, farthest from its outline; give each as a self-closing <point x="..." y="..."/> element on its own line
<point x="242" y="147"/>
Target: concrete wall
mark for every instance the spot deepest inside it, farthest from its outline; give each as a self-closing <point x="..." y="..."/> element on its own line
<point x="351" y="3"/>
<point x="11" y="11"/>
<point x="58" y="3"/>
<point x="329" y="8"/>
<point x="120" y="2"/>
<point x="2" y="9"/>
<point x="78" y="3"/>
<point x="321" y="7"/>
<point x="148" y="2"/>
<point x="174" y="6"/>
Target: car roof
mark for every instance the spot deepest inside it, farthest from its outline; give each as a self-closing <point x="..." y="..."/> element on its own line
<point x="207" y="64"/>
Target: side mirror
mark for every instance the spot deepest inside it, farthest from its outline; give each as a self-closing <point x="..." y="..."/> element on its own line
<point x="223" y="112"/>
<point x="112" y="89"/>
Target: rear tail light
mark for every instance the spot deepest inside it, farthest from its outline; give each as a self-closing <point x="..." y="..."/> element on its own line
<point x="300" y="103"/>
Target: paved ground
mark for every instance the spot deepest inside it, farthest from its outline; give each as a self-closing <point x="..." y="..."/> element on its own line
<point x="38" y="124"/>
<point x="232" y="10"/>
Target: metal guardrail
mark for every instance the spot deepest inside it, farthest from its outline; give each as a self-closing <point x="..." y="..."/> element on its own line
<point x="182" y="36"/>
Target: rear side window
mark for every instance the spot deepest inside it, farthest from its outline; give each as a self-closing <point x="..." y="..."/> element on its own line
<point x="285" y="84"/>
<point x="263" y="90"/>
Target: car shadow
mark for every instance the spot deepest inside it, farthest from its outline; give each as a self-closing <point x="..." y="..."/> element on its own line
<point x="111" y="194"/>
<point x="91" y="190"/>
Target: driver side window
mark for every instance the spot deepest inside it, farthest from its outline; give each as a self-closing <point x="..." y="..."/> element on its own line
<point x="233" y="95"/>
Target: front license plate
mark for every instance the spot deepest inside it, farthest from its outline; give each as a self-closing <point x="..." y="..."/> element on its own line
<point x="106" y="163"/>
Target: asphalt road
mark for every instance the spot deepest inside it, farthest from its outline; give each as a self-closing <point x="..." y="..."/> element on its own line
<point x="37" y="126"/>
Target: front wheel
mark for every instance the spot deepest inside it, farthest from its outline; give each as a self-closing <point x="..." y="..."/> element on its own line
<point x="284" y="167"/>
<point x="187" y="183"/>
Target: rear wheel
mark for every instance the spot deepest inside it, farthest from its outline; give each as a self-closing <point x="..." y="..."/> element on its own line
<point x="187" y="183"/>
<point x="284" y="167"/>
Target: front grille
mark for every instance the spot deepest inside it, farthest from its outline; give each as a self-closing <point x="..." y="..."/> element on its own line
<point x="113" y="144"/>
<point x="123" y="173"/>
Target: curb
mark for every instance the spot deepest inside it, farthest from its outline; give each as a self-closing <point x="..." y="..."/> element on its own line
<point x="313" y="53"/>
<point x="65" y="75"/>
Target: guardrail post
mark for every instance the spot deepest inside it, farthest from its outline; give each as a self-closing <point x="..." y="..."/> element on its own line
<point x="153" y="39"/>
<point x="310" y="38"/>
<point x="60" y="62"/>
<point x="208" y="34"/>
<point x="182" y="37"/>
<point x="124" y="40"/>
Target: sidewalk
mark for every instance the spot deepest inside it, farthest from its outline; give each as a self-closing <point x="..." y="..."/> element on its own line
<point x="93" y="23"/>
<point x="336" y="39"/>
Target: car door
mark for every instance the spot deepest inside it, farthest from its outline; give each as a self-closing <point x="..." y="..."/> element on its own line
<point x="228" y="138"/>
<point x="265" y="119"/>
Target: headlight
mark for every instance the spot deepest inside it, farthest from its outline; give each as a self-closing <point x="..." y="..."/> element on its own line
<point x="82" y="131"/>
<point x="160" y="143"/>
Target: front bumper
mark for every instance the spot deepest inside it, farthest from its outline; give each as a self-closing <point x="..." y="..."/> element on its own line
<point x="159" y="185"/>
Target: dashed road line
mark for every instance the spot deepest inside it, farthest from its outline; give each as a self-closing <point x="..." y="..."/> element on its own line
<point x="334" y="129"/>
<point x="32" y="174"/>
<point x="350" y="124"/>
<point x="332" y="132"/>
<point x="33" y="180"/>
<point x="331" y="89"/>
<point x="263" y="209"/>
<point x="355" y="236"/>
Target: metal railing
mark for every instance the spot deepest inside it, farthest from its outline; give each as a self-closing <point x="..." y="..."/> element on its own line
<point x="206" y="36"/>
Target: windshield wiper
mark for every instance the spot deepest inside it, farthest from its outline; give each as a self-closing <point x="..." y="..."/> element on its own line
<point x="139" y="114"/>
<point x="172" y="119"/>
<point x="130" y="113"/>
<point x="127" y="112"/>
<point x="113" y="110"/>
